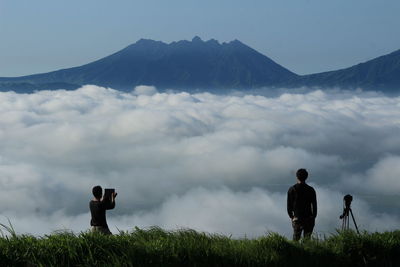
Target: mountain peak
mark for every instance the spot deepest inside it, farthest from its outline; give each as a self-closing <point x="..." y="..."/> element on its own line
<point x="236" y="41"/>
<point x="145" y="41"/>
<point x="213" y="41"/>
<point x="197" y="39"/>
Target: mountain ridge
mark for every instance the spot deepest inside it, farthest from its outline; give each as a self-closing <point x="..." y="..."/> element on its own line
<point x="382" y="72"/>
<point x="195" y="64"/>
<point x="205" y="65"/>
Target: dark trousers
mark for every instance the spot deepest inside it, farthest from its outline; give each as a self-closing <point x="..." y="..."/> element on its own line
<point x="303" y="225"/>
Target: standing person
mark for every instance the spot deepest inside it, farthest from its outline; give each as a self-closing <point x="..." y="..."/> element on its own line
<point x="98" y="207"/>
<point x="302" y="206"/>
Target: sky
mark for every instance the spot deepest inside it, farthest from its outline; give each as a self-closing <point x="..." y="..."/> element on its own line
<point x="305" y="36"/>
<point x="213" y="163"/>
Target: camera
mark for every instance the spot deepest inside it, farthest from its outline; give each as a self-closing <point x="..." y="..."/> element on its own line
<point x="347" y="200"/>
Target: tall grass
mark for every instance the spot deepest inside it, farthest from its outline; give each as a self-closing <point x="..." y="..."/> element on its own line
<point x="156" y="247"/>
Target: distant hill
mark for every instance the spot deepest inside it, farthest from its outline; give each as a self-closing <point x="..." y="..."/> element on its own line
<point x="382" y="73"/>
<point x="186" y="65"/>
<point x="205" y="65"/>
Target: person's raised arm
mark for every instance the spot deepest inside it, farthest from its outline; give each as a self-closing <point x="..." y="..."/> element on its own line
<point x="110" y="203"/>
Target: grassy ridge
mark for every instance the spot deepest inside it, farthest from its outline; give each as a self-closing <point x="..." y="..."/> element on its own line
<point x="156" y="247"/>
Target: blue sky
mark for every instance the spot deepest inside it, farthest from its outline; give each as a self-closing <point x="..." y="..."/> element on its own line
<point x="305" y="36"/>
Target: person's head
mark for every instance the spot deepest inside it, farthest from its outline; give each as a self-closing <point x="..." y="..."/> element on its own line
<point x="302" y="175"/>
<point x="97" y="191"/>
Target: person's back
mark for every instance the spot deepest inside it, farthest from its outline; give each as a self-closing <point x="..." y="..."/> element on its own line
<point x="302" y="196"/>
<point x="302" y="206"/>
<point x="98" y="209"/>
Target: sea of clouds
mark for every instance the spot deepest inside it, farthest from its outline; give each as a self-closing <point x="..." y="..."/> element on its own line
<point x="215" y="163"/>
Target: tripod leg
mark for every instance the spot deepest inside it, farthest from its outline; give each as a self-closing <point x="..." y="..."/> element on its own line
<point x="344" y="220"/>
<point x="354" y="221"/>
<point x="343" y="224"/>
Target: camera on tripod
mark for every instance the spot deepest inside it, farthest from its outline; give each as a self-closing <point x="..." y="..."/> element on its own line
<point x="347" y="199"/>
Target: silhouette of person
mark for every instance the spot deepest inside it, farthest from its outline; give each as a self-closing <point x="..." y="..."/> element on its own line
<point x="98" y="207"/>
<point x="302" y="206"/>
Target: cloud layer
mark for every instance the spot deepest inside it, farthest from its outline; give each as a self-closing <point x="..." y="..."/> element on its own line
<point x="217" y="163"/>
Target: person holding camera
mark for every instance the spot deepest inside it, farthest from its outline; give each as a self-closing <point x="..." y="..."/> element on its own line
<point x="302" y="206"/>
<point x="98" y="206"/>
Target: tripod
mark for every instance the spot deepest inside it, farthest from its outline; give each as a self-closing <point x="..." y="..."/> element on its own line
<point x="345" y="215"/>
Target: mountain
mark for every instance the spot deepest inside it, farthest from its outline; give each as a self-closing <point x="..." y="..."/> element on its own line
<point x="210" y="65"/>
<point x="382" y="73"/>
<point x="188" y="65"/>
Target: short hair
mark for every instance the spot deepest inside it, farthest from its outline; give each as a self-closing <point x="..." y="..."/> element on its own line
<point x="97" y="191"/>
<point x="302" y="174"/>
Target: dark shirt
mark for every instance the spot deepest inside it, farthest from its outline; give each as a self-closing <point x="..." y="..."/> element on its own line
<point x="301" y="201"/>
<point x="98" y="211"/>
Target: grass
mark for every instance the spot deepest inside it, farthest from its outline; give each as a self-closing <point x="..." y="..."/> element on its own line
<point x="156" y="247"/>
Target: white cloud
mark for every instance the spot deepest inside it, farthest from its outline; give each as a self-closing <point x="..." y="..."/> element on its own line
<point x="145" y="90"/>
<point x="383" y="177"/>
<point x="212" y="162"/>
<point x="251" y="213"/>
